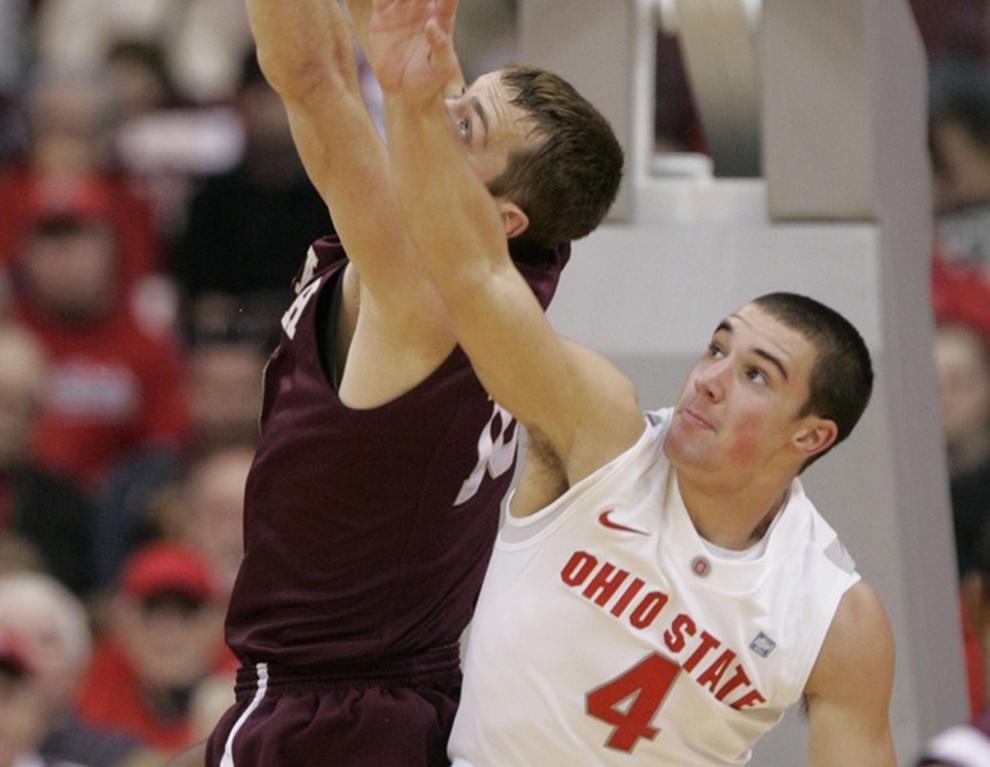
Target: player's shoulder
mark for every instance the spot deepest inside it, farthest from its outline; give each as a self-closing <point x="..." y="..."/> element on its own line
<point x="860" y="610"/>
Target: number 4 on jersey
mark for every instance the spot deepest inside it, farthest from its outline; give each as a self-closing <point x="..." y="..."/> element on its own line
<point x="647" y="684"/>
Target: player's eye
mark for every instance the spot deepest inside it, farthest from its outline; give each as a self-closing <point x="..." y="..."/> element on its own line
<point x="464" y="128"/>
<point x="757" y="376"/>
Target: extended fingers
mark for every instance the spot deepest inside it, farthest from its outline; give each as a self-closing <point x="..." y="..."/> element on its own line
<point x="446" y="10"/>
<point x="437" y="36"/>
<point x="402" y="11"/>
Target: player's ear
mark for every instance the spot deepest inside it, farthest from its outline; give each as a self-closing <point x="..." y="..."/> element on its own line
<point x="514" y="219"/>
<point x="815" y="436"/>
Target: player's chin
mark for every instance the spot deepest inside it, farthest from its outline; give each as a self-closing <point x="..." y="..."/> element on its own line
<point x="683" y="446"/>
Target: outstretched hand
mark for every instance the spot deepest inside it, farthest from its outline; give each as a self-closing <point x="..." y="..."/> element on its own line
<point x="410" y="46"/>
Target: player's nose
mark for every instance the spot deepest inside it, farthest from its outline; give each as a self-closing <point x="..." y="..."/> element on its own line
<point x="710" y="382"/>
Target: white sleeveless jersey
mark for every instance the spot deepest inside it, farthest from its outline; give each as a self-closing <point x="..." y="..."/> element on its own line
<point x="607" y="633"/>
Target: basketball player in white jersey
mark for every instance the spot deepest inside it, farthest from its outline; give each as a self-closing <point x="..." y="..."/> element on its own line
<point x="663" y="588"/>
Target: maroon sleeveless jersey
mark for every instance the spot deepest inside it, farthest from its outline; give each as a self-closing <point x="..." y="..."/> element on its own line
<point x="367" y="532"/>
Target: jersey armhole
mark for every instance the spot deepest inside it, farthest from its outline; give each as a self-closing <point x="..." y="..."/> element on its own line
<point x="327" y="317"/>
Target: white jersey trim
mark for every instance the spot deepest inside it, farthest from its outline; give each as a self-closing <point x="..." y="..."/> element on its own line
<point x="228" y="749"/>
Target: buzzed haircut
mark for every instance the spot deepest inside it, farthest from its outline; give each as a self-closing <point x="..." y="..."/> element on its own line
<point x="841" y="379"/>
<point x="567" y="183"/>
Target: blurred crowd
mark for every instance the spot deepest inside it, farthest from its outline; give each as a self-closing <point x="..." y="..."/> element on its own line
<point x="957" y="35"/>
<point x="153" y="212"/>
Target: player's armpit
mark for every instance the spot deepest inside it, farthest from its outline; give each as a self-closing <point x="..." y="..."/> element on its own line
<point x="849" y="689"/>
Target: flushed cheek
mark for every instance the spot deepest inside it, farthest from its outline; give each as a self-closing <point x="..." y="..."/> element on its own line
<point x="745" y="443"/>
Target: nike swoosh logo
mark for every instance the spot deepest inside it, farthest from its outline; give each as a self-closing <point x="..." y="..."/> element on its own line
<point x="606" y="522"/>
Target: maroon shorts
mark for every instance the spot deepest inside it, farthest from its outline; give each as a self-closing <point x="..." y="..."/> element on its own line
<point x="386" y="714"/>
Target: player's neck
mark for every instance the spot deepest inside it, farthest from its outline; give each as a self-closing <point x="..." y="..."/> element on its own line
<point x="735" y="519"/>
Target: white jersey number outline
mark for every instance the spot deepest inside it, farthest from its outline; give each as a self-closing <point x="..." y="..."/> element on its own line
<point x="291" y="318"/>
<point x="495" y="454"/>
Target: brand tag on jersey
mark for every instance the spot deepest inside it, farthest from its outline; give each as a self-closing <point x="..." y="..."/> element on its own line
<point x="762" y="645"/>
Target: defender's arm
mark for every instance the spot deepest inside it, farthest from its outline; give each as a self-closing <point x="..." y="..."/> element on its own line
<point x="563" y="392"/>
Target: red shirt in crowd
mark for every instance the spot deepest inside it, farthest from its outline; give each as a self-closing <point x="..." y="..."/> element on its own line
<point x="113" y="389"/>
<point x="111" y="697"/>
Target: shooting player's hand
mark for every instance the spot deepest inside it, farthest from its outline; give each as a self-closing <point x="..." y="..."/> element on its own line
<point x="410" y="47"/>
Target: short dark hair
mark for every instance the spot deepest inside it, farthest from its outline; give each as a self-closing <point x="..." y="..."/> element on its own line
<point x="567" y="183"/>
<point x="841" y="378"/>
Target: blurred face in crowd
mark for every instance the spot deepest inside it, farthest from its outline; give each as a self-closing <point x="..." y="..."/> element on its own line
<point x="69" y="266"/>
<point x="214" y="505"/>
<point x="171" y="638"/>
<point x="964" y="390"/>
<point x="224" y="385"/>
<point x="17" y="407"/>
<point x="69" y="126"/>
<point x="137" y="88"/>
<point x="57" y="665"/>
<point x="963" y="170"/>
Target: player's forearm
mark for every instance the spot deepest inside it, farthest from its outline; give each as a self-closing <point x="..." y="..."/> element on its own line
<point x="457" y="229"/>
<point x="450" y="214"/>
<point x="360" y="14"/>
<point x="302" y="44"/>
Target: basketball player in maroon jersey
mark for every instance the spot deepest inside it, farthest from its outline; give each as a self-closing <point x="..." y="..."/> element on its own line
<point x="372" y="504"/>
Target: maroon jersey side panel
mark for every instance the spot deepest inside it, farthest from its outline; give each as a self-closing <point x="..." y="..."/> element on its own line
<point x="367" y="532"/>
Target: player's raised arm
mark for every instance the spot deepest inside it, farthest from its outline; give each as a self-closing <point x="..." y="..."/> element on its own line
<point x="306" y="52"/>
<point x="461" y="232"/>
<point x="850" y="686"/>
<point x="360" y="15"/>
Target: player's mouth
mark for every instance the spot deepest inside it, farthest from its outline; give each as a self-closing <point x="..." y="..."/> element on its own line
<point x="693" y="418"/>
